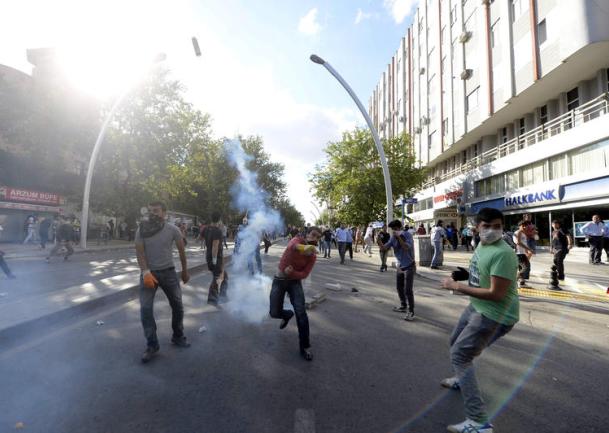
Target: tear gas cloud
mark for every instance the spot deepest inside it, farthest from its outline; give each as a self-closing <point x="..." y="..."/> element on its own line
<point x="249" y="295"/>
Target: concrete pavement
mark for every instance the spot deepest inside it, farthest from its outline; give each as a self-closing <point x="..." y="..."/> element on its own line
<point x="373" y="372"/>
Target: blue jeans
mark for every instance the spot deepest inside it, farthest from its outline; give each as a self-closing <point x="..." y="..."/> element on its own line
<point x="328" y="247"/>
<point x="294" y="290"/>
<point x="250" y="262"/>
<point x="169" y="283"/>
<point x="471" y="336"/>
<point x="437" y="253"/>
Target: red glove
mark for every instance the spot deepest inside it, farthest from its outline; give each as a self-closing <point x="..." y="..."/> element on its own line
<point x="150" y="282"/>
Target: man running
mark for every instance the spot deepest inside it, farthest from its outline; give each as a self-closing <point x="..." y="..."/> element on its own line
<point x="65" y="236"/>
<point x="295" y="265"/>
<point x="493" y="311"/>
<point x="215" y="261"/>
<point x="403" y="248"/>
<point x="154" y="247"/>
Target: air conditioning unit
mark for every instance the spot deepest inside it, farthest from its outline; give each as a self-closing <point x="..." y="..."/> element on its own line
<point x="465" y="36"/>
<point x="421" y="71"/>
<point x="424" y="120"/>
<point x="466" y="74"/>
<point x="402" y="119"/>
<point x="417" y="130"/>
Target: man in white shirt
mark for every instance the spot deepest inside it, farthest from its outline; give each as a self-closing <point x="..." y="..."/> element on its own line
<point x="437" y="234"/>
<point x="595" y="231"/>
<point x="341" y="238"/>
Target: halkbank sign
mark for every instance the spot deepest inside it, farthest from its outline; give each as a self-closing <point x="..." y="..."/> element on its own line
<point x="538" y="196"/>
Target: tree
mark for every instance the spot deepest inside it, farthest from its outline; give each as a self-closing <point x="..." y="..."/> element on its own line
<point x="351" y="178"/>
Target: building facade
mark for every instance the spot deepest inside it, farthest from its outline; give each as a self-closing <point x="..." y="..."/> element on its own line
<point x="505" y="102"/>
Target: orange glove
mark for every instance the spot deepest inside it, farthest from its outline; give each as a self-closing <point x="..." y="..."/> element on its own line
<point x="307" y="250"/>
<point x="150" y="282"/>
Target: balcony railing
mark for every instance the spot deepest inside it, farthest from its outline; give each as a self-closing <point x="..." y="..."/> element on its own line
<point x="597" y="107"/>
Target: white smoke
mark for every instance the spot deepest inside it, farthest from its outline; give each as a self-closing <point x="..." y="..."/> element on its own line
<point x="249" y="294"/>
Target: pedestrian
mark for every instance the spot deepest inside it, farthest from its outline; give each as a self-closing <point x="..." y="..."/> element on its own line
<point x="561" y="244"/>
<point x="3" y="264"/>
<point x="466" y="237"/>
<point x="606" y="241"/>
<point x="123" y="230"/>
<point x="492" y="313"/>
<point x="218" y="289"/>
<point x="266" y="239"/>
<point x="154" y="242"/>
<point x="532" y="235"/>
<point x="65" y="237"/>
<point x="30" y="229"/>
<point x="449" y="234"/>
<point x="327" y="243"/>
<point x="295" y="265"/>
<point x="437" y="236"/>
<point x="421" y="230"/>
<point x="224" y="230"/>
<point x="349" y="243"/>
<point x="595" y="232"/>
<point x="454" y="238"/>
<point x="358" y="238"/>
<point x="341" y="239"/>
<point x="110" y="229"/>
<point x="523" y="251"/>
<point x="184" y="233"/>
<point x="43" y="231"/>
<point x="382" y="238"/>
<point x="368" y="239"/>
<point x="403" y="249"/>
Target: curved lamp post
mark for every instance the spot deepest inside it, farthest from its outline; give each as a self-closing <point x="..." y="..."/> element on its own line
<point x="84" y="220"/>
<point x="377" y="141"/>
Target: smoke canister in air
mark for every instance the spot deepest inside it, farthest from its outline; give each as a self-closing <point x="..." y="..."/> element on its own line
<point x="195" y="45"/>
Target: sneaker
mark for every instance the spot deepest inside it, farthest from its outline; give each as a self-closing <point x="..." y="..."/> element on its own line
<point x="434" y="267"/>
<point x="284" y="322"/>
<point x="307" y="354"/>
<point x="523" y="283"/>
<point x="450" y="383"/>
<point x="409" y="317"/>
<point x="469" y="426"/>
<point x="400" y="309"/>
<point x="149" y="354"/>
<point x="180" y="341"/>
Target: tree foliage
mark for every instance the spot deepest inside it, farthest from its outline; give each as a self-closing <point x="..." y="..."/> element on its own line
<point x="351" y="179"/>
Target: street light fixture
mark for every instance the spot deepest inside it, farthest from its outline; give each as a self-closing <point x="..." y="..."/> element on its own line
<point x="377" y="141"/>
<point x="84" y="220"/>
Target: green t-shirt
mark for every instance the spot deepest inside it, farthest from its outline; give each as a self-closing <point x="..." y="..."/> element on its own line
<point x="496" y="259"/>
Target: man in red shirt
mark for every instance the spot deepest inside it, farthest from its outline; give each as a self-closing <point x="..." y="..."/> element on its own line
<point x="295" y="265"/>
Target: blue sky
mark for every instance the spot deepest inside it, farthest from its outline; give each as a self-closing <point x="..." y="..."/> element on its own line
<point x="254" y="76"/>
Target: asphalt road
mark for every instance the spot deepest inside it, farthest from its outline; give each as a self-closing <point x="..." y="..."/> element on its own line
<point x="373" y="372"/>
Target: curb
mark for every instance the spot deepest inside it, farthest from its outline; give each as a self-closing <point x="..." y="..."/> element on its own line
<point x="120" y="297"/>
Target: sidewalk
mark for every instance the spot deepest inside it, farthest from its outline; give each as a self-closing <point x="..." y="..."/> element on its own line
<point x="583" y="281"/>
<point x="20" y="251"/>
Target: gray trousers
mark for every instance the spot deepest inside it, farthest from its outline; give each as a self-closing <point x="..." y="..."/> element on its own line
<point x="471" y="336"/>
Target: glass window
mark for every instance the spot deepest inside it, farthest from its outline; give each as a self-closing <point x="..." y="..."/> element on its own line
<point x="572" y="99"/>
<point x="588" y="158"/>
<point x="512" y="179"/>
<point x="453" y="14"/>
<point x="534" y="173"/>
<point x="559" y="167"/>
<point x="521" y="126"/>
<point x="471" y="102"/>
<point x="494" y="34"/>
<point x="543" y="114"/>
<point x="542" y="35"/>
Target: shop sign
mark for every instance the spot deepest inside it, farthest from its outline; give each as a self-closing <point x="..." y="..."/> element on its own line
<point x="30" y="207"/>
<point x="448" y="199"/>
<point x="534" y="197"/>
<point x="446" y="214"/>
<point x="27" y="196"/>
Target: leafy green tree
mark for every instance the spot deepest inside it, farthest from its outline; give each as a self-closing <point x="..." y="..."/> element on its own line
<point x="351" y="178"/>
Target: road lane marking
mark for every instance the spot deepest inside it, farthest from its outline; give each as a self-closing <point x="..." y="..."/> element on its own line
<point x="304" y="421"/>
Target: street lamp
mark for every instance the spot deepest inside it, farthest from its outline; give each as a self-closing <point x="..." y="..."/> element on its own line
<point x="388" y="193"/>
<point x="84" y="220"/>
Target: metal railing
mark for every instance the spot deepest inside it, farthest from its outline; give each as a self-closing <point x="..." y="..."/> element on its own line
<point x="597" y="107"/>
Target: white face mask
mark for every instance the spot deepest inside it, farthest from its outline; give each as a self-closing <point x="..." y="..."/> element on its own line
<point x="489" y="236"/>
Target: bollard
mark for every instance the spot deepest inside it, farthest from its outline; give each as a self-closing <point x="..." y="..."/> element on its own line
<point x="554" y="279"/>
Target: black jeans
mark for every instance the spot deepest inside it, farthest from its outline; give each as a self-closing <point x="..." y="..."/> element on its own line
<point x="216" y="292"/>
<point x="169" y="283"/>
<point x="524" y="267"/>
<point x="404" y="283"/>
<point x="4" y="266"/>
<point x="349" y="247"/>
<point x="383" y="255"/>
<point x="559" y="259"/>
<point x="596" y="248"/>
<point x="294" y="290"/>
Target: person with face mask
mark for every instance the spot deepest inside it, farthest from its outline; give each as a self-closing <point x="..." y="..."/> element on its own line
<point x="295" y="265"/>
<point x="154" y="241"/>
<point x="403" y="248"/>
<point x="493" y="311"/>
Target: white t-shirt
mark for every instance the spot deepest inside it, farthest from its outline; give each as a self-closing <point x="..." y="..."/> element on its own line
<point x="523" y="239"/>
<point x="437" y="233"/>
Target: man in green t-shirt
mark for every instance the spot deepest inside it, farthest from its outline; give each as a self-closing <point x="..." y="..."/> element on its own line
<point x="493" y="311"/>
